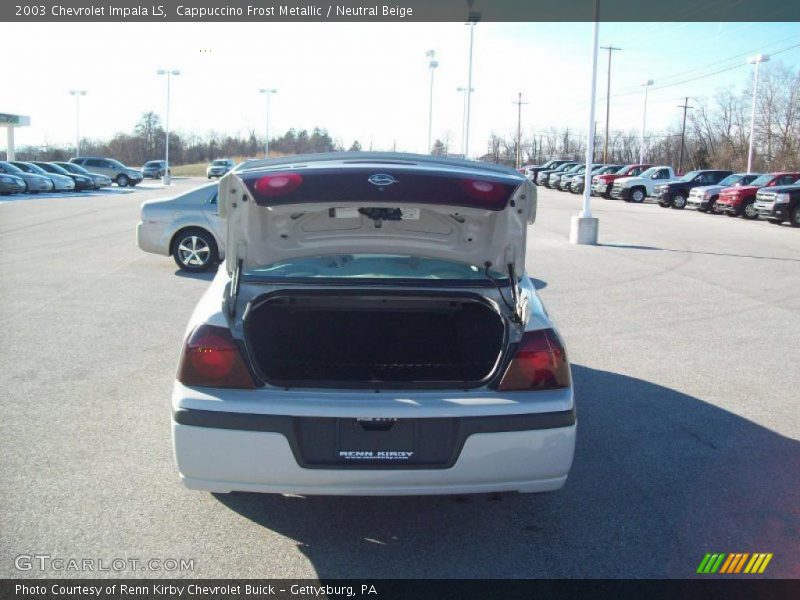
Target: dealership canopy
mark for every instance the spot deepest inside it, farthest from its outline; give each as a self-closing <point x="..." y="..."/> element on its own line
<point x="10" y="122"/>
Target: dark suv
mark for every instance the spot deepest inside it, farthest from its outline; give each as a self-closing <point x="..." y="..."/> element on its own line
<point x="154" y="169"/>
<point x="675" y="193"/>
<point x="780" y="203"/>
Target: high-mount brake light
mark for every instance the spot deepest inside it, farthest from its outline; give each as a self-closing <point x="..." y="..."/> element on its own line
<point x="539" y="363"/>
<point x="278" y="184"/>
<point x="211" y="358"/>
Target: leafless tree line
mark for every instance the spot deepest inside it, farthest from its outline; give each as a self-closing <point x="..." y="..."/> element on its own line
<point x="717" y="133"/>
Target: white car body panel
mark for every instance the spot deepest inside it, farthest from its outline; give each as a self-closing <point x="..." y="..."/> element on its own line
<point x="259" y="235"/>
<point x="162" y="219"/>
<point x="219" y="459"/>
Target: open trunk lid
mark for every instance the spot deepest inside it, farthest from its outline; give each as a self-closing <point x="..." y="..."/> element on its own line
<point x="372" y="203"/>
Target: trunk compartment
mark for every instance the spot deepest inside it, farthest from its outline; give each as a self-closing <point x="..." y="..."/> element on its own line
<point x="374" y="339"/>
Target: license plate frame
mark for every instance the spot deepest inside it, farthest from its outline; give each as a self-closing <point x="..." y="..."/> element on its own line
<point x="376" y="441"/>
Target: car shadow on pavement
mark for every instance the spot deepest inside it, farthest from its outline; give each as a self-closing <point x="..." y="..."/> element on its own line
<point x="538" y="283"/>
<point x="659" y="479"/>
<point x="636" y="247"/>
<point x="206" y="275"/>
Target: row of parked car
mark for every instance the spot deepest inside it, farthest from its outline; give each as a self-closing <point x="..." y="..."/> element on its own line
<point x="773" y="196"/>
<point x="32" y="177"/>
<point x="85" y="173"/>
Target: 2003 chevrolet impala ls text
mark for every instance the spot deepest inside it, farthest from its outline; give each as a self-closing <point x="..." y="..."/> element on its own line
<point x="373" y="332"/>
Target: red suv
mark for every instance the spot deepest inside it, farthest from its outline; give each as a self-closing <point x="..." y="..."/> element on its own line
<point x="740" y="201"/>
<point x="602" y="184"/>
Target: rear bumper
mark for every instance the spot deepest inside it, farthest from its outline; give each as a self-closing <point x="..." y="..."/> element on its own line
<point x="223" y="460"/>
<point x="150" y="238"/>
<point x="220" y="447"/>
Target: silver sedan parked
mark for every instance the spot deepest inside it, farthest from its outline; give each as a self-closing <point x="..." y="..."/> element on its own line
<point x="33" y="183"/>
<point x="61" y="183"/>
<point x="187" y="227"/>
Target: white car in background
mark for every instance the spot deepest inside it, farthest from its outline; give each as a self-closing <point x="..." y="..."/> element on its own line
<point x="187" y="227"/>
<point x="373" y="332"/>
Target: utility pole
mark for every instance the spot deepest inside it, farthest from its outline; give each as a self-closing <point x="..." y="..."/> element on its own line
<point x="608" y="99"/>
<point x="685" y="106"/>
<point x="519" y="104"/>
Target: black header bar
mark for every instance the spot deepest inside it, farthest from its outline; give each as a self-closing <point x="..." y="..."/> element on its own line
<point x="266" y="11"/>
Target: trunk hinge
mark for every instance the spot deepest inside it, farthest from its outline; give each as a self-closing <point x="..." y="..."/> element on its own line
<point x="233" y="294"/>
<point x="516" y="310"/>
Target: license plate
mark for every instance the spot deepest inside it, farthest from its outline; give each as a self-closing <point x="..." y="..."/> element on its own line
<point x="377" y="441"/>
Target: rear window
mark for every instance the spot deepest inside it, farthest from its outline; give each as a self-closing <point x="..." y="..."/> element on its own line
<point x="371" y="266"/>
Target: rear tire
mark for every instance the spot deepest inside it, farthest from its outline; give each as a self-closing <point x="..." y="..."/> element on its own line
<point x="194" y="250"/>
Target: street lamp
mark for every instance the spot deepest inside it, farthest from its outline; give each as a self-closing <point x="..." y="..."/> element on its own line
<point x="267" y="92"/>
<point x="167" y="179"/>
<point x="474" y="17"/>
<point x="583" y="227"/>
<point x="463" y="92"/>
<point x="755" y="60"/>
<point x="432" y="64"/>
<point x="645" y="85"/>
<point x="77" y="94"/>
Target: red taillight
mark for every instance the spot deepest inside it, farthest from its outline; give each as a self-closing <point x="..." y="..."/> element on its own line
<point x="484" y="190"/>
<point x="540" y="363"/>
<point x="212" y="359"/>
<point x="278" y="184"/>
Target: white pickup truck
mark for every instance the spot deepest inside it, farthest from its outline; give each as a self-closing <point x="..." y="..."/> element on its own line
<point x="636" y="189"/>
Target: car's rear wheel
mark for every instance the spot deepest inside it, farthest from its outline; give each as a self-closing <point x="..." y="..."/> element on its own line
<point x="637" y="195"/>
<point x="679" y="201"/>
<point x="749" y="210"/>
<point x="194" y="250"/>
<point x="122" y="180"/>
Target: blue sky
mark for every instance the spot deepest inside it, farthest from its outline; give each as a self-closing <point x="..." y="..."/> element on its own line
<point x="367" y="81"/>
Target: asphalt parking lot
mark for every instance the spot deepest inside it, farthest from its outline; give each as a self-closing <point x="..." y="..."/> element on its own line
<point x="682" y="329"/>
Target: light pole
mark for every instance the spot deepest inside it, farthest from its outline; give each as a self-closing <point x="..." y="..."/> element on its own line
<point x="463" y="92"/>
<point x="432" y="64"/>
<point x="474" y="17"/>
<point x="755" y="60"/>
<point x="167" y="179"/>
<point x="267" y="92"/>
<point x="518" y="153"/>
<point x="584" y="227"/>
<point x="77" y="94"/>
<point x="646" y="85"/>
